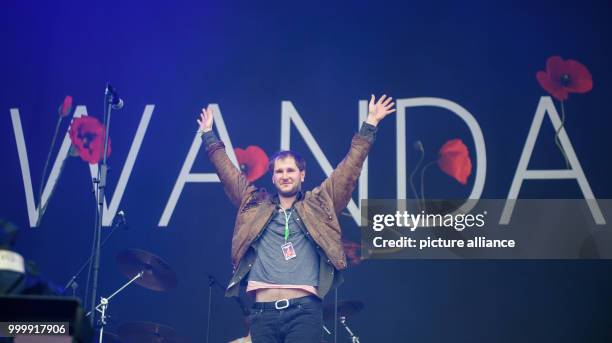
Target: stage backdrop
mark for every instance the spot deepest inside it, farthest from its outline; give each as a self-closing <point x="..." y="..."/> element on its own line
<point x="297" y="76"/>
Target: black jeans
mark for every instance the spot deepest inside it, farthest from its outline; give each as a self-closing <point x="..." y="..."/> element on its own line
<point x="300" y="322"/>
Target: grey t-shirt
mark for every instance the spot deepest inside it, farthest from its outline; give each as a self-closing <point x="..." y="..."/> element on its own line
<point x="270" y="265"/>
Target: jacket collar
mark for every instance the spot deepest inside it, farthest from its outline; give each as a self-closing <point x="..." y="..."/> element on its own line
<point x="276" y="200"/>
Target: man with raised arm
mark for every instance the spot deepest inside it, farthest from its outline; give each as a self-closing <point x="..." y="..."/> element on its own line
<point x="287" y="246"/>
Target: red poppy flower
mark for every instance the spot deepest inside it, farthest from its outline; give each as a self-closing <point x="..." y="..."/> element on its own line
<point x="66" y="106"/>
<point x="454" y="160"/>
<point x="87" y="136"/>
<point x="253" y="162"/>
<point x="350" y="250"/>
<point x="564" y="77"/>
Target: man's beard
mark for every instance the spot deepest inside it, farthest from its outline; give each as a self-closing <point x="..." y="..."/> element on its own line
<point x="291" y="192"/>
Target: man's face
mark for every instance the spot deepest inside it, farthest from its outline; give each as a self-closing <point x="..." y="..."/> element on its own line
<point x="287" y="177"/>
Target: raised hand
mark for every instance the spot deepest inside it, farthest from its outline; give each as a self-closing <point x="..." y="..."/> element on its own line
<point x="379" y="110"/>
<point x="206" y="120"/>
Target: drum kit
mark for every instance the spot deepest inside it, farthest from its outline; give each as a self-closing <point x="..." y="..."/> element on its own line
<point x="149" y="271"/>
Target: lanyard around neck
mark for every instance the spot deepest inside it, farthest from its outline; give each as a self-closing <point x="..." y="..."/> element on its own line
<point x="287" y="217"/>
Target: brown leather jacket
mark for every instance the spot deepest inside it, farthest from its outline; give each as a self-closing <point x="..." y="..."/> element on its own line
<point x="318" y="208"/>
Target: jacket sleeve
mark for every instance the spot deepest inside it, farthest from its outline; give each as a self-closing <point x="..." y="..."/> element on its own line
<point x="341" y="183"/>
<point x="234" y="182"/>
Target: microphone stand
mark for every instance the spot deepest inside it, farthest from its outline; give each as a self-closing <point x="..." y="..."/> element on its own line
<point x="72" y="282"/>
<point x="336" y="315"/>
<point x="100" y="186"/>
<point x="211" y="282"/>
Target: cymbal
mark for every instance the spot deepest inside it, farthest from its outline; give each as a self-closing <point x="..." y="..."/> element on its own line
<point x="157" y="274"/>
<point x="346" y="308"/>
<point x="147" y="332"/>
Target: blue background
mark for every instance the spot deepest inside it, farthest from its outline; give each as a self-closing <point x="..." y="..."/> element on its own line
<point x="323" y="58"/>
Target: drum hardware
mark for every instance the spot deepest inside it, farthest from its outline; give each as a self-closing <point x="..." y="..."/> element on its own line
<point x="344" y="309"/>
<point x="144" y="269"/>
<point x="354" y="339"/>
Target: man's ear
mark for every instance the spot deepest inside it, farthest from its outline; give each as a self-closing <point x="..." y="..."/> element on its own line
<point x="302" y="175"/>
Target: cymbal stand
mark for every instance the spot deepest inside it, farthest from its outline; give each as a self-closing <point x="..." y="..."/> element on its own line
<point x="354" y="339"/>
<point x="104" y="302"/>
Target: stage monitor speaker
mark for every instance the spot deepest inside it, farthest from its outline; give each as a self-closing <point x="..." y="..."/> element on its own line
<point x="46" y="309"/>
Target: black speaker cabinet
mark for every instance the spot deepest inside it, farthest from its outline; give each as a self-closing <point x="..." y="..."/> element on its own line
<point x="46" y="309"/>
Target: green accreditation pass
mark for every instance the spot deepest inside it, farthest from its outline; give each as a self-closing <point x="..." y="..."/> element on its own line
<point x="288" y="250"/>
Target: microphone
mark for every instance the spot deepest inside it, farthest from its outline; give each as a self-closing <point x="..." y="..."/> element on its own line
<point x="213" y="281"/>
<point x="120" y="221"/>
<point x="418" y="146"/>
<point x="115" y="101"/>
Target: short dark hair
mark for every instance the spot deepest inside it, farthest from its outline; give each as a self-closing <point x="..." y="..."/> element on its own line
<point x="299" y="161"/>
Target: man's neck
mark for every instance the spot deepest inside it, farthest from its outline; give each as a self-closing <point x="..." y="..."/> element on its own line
<point x="286" y="202"/>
